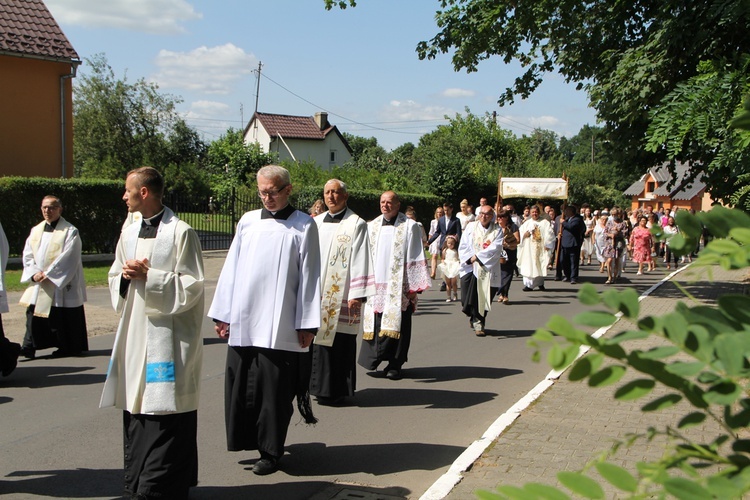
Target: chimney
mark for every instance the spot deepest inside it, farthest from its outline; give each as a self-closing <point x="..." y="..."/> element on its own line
<point x="321" y="118"/>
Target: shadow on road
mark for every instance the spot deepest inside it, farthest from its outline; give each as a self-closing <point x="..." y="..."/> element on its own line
<point x="35" y="377"/>
<point x="317" y="459"/>
<point x="429" y="398"/>
<point x="77" y="483"/>
<point x="303" y="490"/>
<point x="448" y="373"/>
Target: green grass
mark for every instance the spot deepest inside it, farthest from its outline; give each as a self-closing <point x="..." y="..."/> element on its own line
<point x="95" y="273"/>
<point x="205" y="222"/>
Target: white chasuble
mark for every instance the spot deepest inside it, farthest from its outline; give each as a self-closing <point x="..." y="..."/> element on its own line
<point x="346" y="274"/>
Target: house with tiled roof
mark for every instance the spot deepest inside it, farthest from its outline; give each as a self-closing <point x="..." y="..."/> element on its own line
<point x="299" y="138"/>
<point x="663" y="190"/>
<point x="37" y="65"/>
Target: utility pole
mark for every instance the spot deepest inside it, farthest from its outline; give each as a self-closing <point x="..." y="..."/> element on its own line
<point x="257" y="88"/>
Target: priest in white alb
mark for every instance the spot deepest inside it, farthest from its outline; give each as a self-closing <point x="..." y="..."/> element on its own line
<point x="347" y="281"/>
<point x="537" y="240"/>
<point x="479" y="252"/>
<point x="57" y="288"/>
<point x="400" y="274"/>
<point x="156" y="286"/>
<point x="267" y="303"/>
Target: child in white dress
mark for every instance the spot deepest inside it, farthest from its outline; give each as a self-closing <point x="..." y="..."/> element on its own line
<point x="449" y="267"/>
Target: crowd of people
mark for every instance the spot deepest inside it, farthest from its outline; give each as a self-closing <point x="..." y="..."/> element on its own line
<point x="329" y="276"/>
<point x="538" y="240"/>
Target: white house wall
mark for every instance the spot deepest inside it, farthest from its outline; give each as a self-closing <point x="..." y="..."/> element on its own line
<point x="304" y="149"/>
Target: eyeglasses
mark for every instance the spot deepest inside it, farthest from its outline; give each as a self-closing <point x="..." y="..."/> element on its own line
<point x="272" y="194"/>
<point x="486" y="214"/>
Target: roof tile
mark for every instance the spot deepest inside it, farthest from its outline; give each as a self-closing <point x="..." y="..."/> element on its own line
<point x="291" y="127"/>
<point x="28" y="28"/>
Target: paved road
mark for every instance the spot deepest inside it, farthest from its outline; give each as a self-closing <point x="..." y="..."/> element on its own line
<point x="395" y="438"/>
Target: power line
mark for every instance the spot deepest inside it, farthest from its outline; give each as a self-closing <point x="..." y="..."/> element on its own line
<point x="372" y="127"/>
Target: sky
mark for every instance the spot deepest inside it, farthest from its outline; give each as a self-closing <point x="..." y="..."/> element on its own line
<point x="360" y="65"/>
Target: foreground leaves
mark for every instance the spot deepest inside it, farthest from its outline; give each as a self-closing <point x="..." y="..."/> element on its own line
<point x="702" y="359"/>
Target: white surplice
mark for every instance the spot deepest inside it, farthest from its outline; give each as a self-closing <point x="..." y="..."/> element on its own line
<point x="171" y="297"/>
<point x="269" y="286"/>
<point x="65" y="271"/>
<point x="534" y="251"/>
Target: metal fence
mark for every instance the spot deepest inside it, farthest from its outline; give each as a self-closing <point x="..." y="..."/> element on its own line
<point x="213" y="219"/>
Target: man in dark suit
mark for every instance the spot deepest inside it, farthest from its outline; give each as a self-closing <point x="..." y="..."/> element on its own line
<point x="573" y="230"/>
<point x="448" y="224"/>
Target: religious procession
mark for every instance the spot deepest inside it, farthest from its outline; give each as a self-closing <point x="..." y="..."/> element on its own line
<point x="332" y="278"/>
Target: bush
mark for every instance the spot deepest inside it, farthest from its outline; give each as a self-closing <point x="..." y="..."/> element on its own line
<point x="95" y="207"/>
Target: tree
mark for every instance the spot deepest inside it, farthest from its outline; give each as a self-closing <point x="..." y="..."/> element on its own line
<point x="629" y="56"/>
<point x="119" y="125"/>
<point x="463" y="158"/>
<point x="232" y="163"/>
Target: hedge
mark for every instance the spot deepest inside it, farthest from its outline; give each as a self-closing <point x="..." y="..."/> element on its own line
<point x="95" y="207"/>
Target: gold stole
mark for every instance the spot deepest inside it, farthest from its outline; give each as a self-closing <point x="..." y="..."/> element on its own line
<point x="483" y="275"/>
<point x="390" y="323"/>
<point x="337" y="272"/>
<point x="46" y="288"/>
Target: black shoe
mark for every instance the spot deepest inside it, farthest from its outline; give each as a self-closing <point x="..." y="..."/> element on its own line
<point x="527" y="289"/>
<point x="12" y="359"/>
<point x="265" y="466"/>
<point x="28" y="352"/>
<point x="541" y="288"/>
<point x="328" y="401"/>
<point x="393" y="374"/>
<point x="442" y="286"/>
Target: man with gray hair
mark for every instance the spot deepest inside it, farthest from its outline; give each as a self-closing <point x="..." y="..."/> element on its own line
<point x="347" y="280"/>
<point x="267" y="303"/>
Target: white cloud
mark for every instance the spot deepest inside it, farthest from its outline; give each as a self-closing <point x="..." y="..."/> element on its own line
<point x="162" y="17"/>
<point x="413" y="111"/>
<point x="457" y="93"/>
<point x="209" y="108"/>
<point x="209" y="70"/>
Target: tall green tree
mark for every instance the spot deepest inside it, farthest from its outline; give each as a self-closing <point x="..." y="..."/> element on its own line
<point x="631" y="58"/>
<point x="463" y="158"/>
<point x="232" y="163"/>
<point x="119" y="125"/>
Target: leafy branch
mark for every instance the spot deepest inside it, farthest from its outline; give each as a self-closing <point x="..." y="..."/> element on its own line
<point x="702" y="359"/>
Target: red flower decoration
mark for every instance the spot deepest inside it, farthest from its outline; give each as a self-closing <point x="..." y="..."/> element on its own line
<point x="486" y="244"/>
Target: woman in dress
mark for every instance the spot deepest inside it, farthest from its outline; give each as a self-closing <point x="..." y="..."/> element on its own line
<point x="615" y="248"/>
<point x="640" y="245"/>
<point x="656" y="252"/>
<point x="450" y="267"/>
<point x="434" y="247"/>
<point x="465" y="215"/>
<point x="511" y="238"/>
<point x="599" y="237"/>
<point x="587" y="249"/>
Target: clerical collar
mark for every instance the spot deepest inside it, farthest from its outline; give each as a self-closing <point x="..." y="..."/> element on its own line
<point x="335" y="218"/>
<point x="282" y="214"/>
<point x="391" y="222"/>
<point x="150" y="226"/>
<point x="49" y="227"/>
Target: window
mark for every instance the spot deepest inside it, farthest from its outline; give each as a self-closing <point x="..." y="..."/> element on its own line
<point x="650" y="187"/>
<point x="332" y="156"/>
